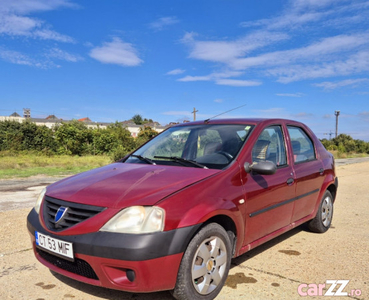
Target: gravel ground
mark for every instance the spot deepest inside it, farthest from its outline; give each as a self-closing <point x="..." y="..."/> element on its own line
<point x="274" y="270"/>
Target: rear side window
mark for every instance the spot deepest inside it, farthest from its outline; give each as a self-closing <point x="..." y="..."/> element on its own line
<point x="302" y="145"/>
<point x="270" y="146"/>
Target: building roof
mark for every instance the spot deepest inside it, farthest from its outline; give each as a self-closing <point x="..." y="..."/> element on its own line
<point x="52" y="117"/>
<point x="14" y="114"/>
<point x="85" y="120"/>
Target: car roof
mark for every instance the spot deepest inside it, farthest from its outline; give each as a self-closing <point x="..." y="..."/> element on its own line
<point x="247" y="121"/>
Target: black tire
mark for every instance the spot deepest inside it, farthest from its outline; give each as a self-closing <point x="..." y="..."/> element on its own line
<point x="211" y="243"/>
<point x="323" y="218"/>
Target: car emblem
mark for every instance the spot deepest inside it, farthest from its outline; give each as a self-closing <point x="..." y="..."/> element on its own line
<point x="60" y="214"/>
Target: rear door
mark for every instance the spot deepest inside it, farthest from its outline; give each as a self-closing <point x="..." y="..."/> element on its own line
<point x="308" y="172"/>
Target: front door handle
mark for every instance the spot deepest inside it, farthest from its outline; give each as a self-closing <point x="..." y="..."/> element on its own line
<point x="290" y="181"/>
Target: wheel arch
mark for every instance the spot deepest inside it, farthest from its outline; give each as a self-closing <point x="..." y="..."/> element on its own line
<point x="333" y="190"/>
<point x="225" y="221"/>
<point x="229" y="226"/>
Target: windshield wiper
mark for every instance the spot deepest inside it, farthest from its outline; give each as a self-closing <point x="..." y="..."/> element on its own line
<point x="180" y="159"/>
<point x="145" y="159"/>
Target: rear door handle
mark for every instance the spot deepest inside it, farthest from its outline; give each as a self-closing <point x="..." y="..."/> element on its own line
<point x="290" y="181"/>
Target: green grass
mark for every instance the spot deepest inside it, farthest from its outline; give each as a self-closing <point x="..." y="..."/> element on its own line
<point x="25" y="165"/>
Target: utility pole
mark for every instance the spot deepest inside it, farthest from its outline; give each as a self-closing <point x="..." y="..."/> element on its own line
<point x="337" y="113"/>
<point x="194" y="113"/>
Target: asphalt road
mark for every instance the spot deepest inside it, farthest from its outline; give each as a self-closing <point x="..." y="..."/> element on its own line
<point x="274" y="270"/>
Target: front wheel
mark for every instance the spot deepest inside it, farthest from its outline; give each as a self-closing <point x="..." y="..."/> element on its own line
<point x="205" y="265"/>
<point x="323" y="218"/>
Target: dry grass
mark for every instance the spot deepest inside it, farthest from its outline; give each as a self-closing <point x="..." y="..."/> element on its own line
<point x="337" y="154"/>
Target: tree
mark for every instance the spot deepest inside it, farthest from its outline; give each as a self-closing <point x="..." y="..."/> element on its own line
<point x="146" y="133"/>
<point x="137" y="119"/>
<point x="11" y="135"/>
<point x="44" y="140"/>
<point x="123" y="141"/>
<point x="74" y="138"/>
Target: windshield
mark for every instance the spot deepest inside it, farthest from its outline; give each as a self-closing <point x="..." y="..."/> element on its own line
<point x="203" y="146"/>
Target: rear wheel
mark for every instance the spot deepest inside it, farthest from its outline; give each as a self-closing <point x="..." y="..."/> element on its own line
<point x="205" y="265"/>
<point x="323" y="218"/>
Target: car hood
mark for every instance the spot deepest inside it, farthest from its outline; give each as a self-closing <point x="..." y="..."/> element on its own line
<point x="120" y="185"/>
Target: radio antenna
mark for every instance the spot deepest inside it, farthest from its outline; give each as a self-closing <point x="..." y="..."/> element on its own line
<point x="207" y="120"/>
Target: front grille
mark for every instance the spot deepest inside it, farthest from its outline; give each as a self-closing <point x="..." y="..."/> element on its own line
<point x="75" y="213"/>
<point x="79" y="266"/>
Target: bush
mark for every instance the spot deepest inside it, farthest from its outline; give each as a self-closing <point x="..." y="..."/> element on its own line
<point x="118" y="153"/>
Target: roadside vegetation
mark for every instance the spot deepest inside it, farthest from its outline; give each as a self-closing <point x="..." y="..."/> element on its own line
<point x="344" y="146"/>
<point x="27" y="149"/>
<point x="25" y="164"/>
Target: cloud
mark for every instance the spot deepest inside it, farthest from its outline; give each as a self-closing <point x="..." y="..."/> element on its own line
<point x="300" y="59"/>
<point x="228" y="51"/>
<point x="222" y="78"/>
<point x="175" y="72"/>
<point x="18" y="25"/>
<point x="19" y="58"/>
<point x="235" y="82"/>
<point x="30" y="6"/>
<point x="43" y="60"/>
<point x="300" y="5"/>
<point x="116" y="52"/>
<point x="328" y="85"/>
<point x="354" y="64"/>
<point x="274" y="112"/>
<point x="318" y="51"/>
<point x="161" y="23"/>
<point x="290" y="21"/>
<point x="364" y="115"/>
<point x="194" y="78"/>
<point x="218" y="100"/>
<point x="15" y="57"/>
<point x="291" y="95"/>
<point x="327" y="116"/>
<point x="303" y="115"/>
<point x="14" y="19"/>
<point x="47" y="34"/>
<point x="310" y="14"/>
<point x="270" y="110"/>
<point x="177" y="113"/>
<point x="63" y="55"/>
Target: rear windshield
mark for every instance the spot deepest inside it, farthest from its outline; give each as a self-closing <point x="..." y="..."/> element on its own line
<point x="210" y="146"/>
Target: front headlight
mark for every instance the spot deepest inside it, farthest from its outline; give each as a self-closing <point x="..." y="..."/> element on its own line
<point x="39" y="200"/>
<point x="137" y="219"/>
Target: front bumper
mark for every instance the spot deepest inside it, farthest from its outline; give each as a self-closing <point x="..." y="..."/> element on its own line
<point x="129" y="262"/>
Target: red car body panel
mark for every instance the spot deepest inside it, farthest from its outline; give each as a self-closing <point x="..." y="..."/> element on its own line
<point x="121" y="185"/>
<point x="257" y="207"/>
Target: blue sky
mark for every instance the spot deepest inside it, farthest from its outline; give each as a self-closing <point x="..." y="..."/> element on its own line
<point x="109" y="60"/>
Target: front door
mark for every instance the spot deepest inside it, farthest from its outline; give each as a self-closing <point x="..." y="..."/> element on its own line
<point x="269" y="198"/>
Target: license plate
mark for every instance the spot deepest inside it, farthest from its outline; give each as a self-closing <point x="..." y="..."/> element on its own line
<point x="61" y="248"/>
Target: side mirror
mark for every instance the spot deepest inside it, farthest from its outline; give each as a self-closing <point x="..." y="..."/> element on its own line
<point x="261" y="167"/>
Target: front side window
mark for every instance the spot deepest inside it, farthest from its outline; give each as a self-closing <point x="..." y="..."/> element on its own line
<point x="302" y="145"/>
<point x="270" y="146"/>
<point x="210" y="146"/>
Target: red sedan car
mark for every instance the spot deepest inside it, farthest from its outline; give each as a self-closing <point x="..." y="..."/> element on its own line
<point x="172" y="214"/>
